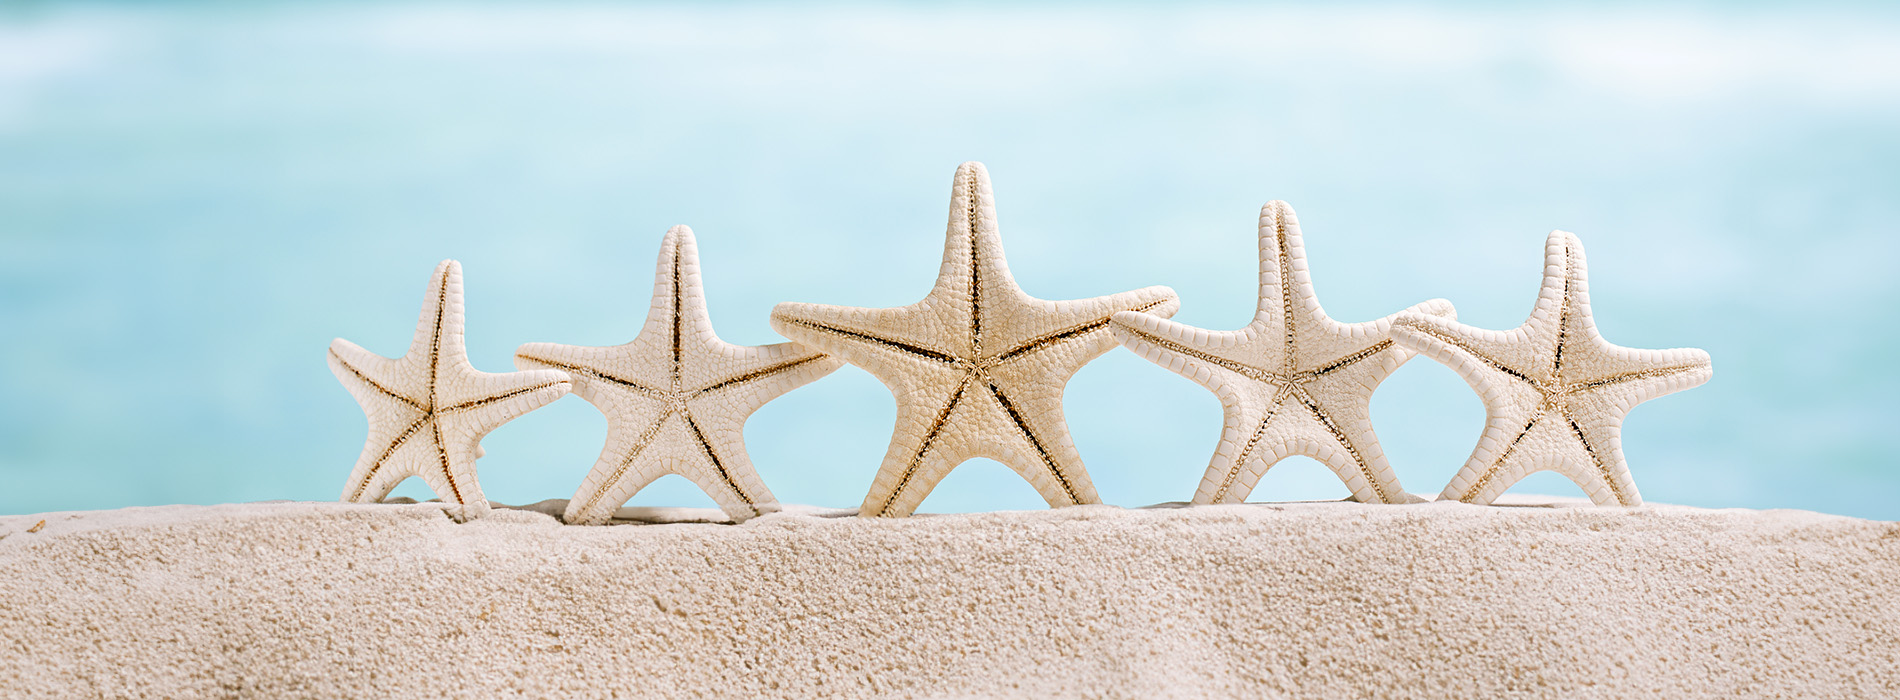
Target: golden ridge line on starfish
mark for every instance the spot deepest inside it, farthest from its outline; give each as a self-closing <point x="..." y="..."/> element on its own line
<point x="363" y="485"/>
<point x="1615" y="379"/>
<point x="478" y="403"/>
<point x="1043" y="452"/>
<point x="907" y="348"/>
<point x="372" y="383"/>
<point x="1481" y="357"/>
<point x="700" y="436"/>
<point x="639" y="445"/>
<point x="1602" y="469"/>
<point x="442" y="454"/>
<point x="976" y="275"/>
<point x="596" y="374"/>
<point x="676" y="321"/>
<point x="1287" y="324"/>
<point x="1306" y="400"/>
<point x="1572" y="387"/>
<point x="1062" y="336"/>
<point x="755" y="375"/>
<point x="1237" y="367"/>
<point x="1253" y="442"/>
<point x="1485" y="478"/>
<point x="930" y="436"/>
<point x="1349" y="360"/>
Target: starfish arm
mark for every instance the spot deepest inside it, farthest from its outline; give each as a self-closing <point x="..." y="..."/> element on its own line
<point x="1362" y="353"/>
<point x="453" y="477"/>
<point x="879" y="340"/>
<point x="1339" y="434"/>
<point x="375" y="381"/>
<point x="1585" y="451"/>
<point x="398" y="447"/>
<point x="739" y="379"/>
<point x="1512" y="401"/>
<point x="973" y="262"/>
<point x="1280" y="293"/>
<point x="678" y="313"/>
<point x="1625" y="377"/>
<point x="719" y="464"/>
<point x="1602" y="471"/>
<point x="1210" y="358"/>
<point x="1248" y="447"/>
<point x="925" y="445"/>
<point x="612" y="378"/>
<point x="1032" y="436"/>
<point x="439" y="327"/>
<point x="627" y="463"/>
<point x="1078" y="327"/>
<point x="1560" y="295"/>
<point x="1498" y="460"/>
<point x="1287" y="297"/>
<point x="476" y="402"/>
<point x="1487" y="360"/>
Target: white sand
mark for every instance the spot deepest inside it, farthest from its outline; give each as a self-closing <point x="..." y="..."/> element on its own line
<point x="1307" y="600"/>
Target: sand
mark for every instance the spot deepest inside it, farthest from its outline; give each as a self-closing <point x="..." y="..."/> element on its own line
<point x="1291" y="600"/>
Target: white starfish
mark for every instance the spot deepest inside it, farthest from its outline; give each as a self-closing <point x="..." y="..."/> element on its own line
<point x="429" y="409"/>
<point x="978" y="367"/>
<point x="1555" y="392"/>
<point x="677" y="397"/>
<point x="1293" y="382"/>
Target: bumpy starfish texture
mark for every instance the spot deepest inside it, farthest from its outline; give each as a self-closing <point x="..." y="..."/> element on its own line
<point x="1555" y="392"/>
<point x="429" y="409"/>
<point x="978" y="367"/>
<point x="1293" y="382"/>
<point x="677" y="397"/>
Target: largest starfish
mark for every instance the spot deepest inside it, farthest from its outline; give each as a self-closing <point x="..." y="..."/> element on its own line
<point x="1293" y="382"/>
<point x="677" y="397"/>
<point x="429" y="409"/>
<point x="978" y="367"/>
<point x="1555" y="392"/>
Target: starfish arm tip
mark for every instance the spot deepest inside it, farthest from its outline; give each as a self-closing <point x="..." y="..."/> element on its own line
<point x="1161" y="300"/>
<point x="535" y="356"/>
<point x="1409" y="327"/>
<point x="1435" y="307"/>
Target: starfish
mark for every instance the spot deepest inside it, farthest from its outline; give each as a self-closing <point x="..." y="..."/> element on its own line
<point x="429" y="409"/>
<point x="978" y="367"/>
<point x="677" y="397"/>
<point x="1555" y="392"/>
<point x="1293" y="382"/>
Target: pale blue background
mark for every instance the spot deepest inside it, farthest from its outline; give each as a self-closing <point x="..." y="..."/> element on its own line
<point x="194" y="199"/>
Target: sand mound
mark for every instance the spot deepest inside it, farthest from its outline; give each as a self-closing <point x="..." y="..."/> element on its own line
<point x="1309" y="600"/>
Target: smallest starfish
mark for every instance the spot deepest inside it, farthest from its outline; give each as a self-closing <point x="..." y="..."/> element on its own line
<point x="1555" y="392"/>
<point x="429" y="409"/>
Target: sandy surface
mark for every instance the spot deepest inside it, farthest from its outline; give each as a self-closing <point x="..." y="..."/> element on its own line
<point x="1300" y="600"/>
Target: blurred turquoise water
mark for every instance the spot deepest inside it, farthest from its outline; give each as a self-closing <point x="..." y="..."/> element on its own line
<point x="194" y="199"/>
